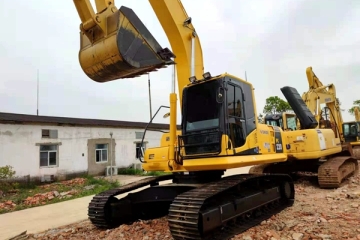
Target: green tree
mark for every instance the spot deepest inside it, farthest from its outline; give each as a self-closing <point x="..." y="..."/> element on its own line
<point x="274" y="104"/>
<point x="260" y="117"/>
<point x="356" y="103"/>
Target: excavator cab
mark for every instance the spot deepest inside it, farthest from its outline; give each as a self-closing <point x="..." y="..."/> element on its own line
<point x="217" y="111"/>
<point x="115" y="44"/>
<point x="351" y="131"/>
<point x="286" y="121"/>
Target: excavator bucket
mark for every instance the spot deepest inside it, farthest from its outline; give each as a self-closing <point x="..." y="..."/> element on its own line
<point x="127" y="49"/>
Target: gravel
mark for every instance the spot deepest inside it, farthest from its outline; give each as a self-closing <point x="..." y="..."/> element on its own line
<point x="316" y="214"/>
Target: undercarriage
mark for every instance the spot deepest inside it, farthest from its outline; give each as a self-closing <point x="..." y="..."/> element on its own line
<point x="198" y="206"/>
<point x="331" y="172"/>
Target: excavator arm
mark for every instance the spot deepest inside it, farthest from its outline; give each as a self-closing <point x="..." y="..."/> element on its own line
<point x="115" y="44"/>
<point x="319" y="94"/>
<point x="357" y="114"/>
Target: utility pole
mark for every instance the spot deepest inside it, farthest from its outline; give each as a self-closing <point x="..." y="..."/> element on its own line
<point x="149" y="96"/>
<point x="37" y="94"/>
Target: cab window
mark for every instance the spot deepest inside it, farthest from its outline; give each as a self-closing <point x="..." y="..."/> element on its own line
<point x="291" y="123"/>
<point x="346" y="130"/>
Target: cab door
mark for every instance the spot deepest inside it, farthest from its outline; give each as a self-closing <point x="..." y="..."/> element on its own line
<point x="235" y="114"/>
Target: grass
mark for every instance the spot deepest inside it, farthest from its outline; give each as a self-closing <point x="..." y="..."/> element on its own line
<point x="22" y="192"/>
<point x="138" y="172"/>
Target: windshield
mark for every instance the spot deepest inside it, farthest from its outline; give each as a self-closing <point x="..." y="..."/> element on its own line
<point x="202" y="109"/>
<point x="274" y="122"/>
<point x="291" y="122"/>
<point x="350" y="129"/>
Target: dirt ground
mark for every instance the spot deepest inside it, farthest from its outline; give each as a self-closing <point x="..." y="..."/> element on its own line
<point x="316" y="214"/>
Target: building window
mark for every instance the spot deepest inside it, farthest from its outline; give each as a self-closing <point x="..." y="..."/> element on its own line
<point x="48" y="155"/>
<point x="139" y="135"/>
<point x="138" y="149"/>
<point x="101" y="153"/>
<point x="47" y="133"/>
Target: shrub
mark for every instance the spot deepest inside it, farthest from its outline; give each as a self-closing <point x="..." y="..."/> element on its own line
<point x="6" y="173"/>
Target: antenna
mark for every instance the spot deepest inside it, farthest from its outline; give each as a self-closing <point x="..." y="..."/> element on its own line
<point x="37" y="94"/>
<point x="245" y="76"/>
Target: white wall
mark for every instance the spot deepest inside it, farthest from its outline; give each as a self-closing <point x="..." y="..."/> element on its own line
<point x="18" y="147"/>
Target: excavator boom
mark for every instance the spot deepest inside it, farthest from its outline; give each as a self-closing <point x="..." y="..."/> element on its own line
<point x="183" y="39"/>
<point x="357" y="114"/>
<point x="318" y="95"/>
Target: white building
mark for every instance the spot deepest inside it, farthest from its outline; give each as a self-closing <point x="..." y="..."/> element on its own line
<point x="42" y="146"/>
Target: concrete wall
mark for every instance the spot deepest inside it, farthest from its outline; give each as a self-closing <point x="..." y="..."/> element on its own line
<point x="20" y="148"/>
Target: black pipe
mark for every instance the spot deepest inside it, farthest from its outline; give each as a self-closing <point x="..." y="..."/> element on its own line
<point x="142" y="140"/>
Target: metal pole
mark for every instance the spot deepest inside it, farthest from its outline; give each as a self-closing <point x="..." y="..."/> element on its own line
<point x="37" y="94"/>
<point x="149" y="96"/>
<point x="111" y="159"/>
<point x="173" y="79"/>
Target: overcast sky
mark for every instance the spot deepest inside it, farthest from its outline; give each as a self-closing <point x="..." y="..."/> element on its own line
<point x="274" y="41"/>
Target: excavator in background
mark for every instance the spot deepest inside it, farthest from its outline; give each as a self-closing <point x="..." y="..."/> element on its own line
<point x="351" y="133"/>
<point x="219" y="131"/>
<point x="334" y="168"/>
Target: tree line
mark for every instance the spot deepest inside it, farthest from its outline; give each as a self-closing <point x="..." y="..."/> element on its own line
<point x="275" y="104"/>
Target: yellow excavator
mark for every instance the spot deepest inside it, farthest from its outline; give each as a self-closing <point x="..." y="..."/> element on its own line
<point x="219" y="131"/>
<point x="351" y="133"/>
<point x="333" y="168"/>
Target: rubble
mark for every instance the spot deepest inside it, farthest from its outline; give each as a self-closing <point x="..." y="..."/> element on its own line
<point x="72" y="182"/>
<point x="321" y="214"/>
<point x="44" y="197"/>
<point x="7" y="205"/>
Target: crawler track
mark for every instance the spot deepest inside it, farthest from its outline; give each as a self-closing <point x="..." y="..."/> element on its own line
<point x="99" y="210"/>
<point x="335" y="170"/>
<point x="331" y="173"/>
<point x="215" y="210"/>
<point x="224" y="208"/>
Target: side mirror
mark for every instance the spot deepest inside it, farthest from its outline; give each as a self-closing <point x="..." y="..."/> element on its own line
<point x="141" y="153"/>
<point x="220" y="95"/>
